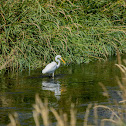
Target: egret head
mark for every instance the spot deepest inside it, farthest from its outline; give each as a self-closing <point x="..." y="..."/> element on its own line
<point x="59" y="57"/>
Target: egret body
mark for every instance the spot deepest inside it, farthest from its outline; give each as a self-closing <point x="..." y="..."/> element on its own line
<point x="51" y="67"/>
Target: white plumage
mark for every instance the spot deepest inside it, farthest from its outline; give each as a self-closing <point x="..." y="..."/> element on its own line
<point x="51" y="67"/>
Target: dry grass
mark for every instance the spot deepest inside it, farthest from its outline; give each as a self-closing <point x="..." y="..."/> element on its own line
<point x="41" y="111"/>
<point x="14" y="120"/>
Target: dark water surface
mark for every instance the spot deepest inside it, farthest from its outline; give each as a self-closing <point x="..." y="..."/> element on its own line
<point x="73" y="83"/>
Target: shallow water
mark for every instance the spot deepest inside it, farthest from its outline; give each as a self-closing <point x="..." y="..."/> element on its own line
<point x="73" y="83"/>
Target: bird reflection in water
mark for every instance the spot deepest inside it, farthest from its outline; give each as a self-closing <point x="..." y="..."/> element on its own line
<point x="52" y="86"/>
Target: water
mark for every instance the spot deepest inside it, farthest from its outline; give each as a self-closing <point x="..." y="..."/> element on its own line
<point x="73" y="83"/>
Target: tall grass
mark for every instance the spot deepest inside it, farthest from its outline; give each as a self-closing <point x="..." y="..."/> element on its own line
<point x="33" y="32"/>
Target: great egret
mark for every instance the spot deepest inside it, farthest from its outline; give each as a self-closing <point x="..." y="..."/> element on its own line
<point x="51" y="67"/>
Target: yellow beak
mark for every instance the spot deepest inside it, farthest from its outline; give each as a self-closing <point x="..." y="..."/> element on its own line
<point x="63" y="60"/>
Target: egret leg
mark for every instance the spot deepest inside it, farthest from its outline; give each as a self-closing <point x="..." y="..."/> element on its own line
<point x="49" y="75"/>
<point x="53" y="75"/>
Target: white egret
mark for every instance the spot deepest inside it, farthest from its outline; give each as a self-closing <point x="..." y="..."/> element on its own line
<point x="51" y="67"/>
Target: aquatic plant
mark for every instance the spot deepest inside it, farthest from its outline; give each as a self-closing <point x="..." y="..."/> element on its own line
<point x="33" y="32"/>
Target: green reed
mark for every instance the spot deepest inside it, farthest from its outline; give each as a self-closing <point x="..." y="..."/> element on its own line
<point x="33" y="32"/>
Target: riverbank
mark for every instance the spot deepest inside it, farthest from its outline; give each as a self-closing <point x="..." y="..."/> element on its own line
<point x="33" y="32"/>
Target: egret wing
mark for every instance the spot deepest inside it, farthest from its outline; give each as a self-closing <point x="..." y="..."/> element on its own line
<point x="50" y="68"/>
